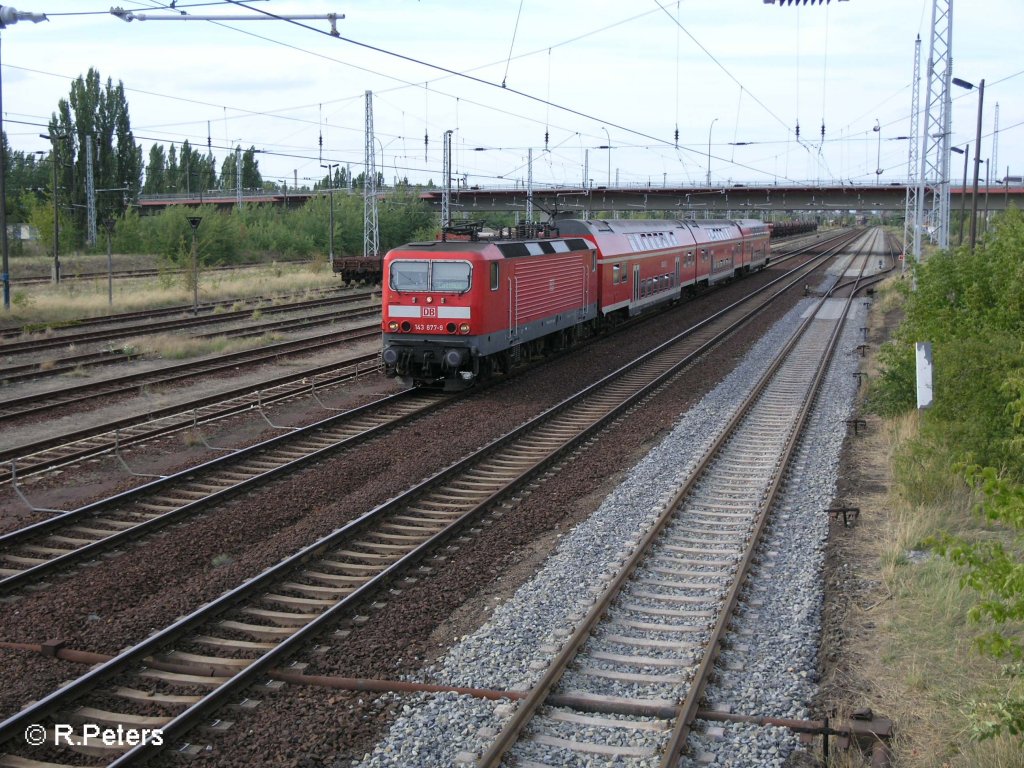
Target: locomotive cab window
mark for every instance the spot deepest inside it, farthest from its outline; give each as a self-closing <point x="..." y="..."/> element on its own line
<point x="421" y="276"/>
<point x="617" y="274"/>
<point x="494" y="275"/>
<point x="410" y="275"/>
<point x="450" y="276"/>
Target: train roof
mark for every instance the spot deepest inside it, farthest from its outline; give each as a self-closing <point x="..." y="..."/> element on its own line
<point x="630" y="226"/>
<point x="509" y="248"/>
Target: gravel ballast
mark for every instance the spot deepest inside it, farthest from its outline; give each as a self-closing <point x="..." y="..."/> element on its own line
<point x="506" y="653"/>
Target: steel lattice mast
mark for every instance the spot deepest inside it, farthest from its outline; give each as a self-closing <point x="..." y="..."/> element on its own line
<point x="934" y="178"/>
<point x="911" y="228"/>
<point x="446" y="181"/>
<point x="529" y="186"/>
<point x="371" y="231"/>
<point x="90" y="193"/>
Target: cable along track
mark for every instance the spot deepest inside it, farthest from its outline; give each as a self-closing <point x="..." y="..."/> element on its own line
<point x="53" y="452"/>
<point x="254" y="627"/>
<point x="78" y="333"/>
<point x="37" y="552"/>
<point x="60" y="366"/>
<point x="19" y="407"/>
<point x="626" y="683"/>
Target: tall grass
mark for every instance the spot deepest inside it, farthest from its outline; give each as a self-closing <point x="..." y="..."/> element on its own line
<point x="59" y="304"/>
<point x="926" y="670"/>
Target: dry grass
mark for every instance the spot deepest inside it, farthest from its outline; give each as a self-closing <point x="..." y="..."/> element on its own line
<point x="171" y="346"/>
<point x="918" y="657"/>
<point x="50" y="304"/>
<point x="192" y="437"/>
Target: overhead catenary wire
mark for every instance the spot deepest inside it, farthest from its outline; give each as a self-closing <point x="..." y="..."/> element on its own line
<point x="512" y="45"/>
<point x="472" y="78"/>
<point x="446" y="109"/>
<point x="447" y="73"/>
<point x="717" y="63"/>
<point x="162" y="6"/>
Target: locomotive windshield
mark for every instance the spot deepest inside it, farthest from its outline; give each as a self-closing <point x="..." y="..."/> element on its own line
<point x="419" y="276"/>
<point x="410" y="275"/>
<point x="450" y="276"/>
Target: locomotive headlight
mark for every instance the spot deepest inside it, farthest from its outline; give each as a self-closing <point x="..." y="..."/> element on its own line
<point x="464" y="328"/>
<point x="430" y="299"/>
<point x="393" y="326"/>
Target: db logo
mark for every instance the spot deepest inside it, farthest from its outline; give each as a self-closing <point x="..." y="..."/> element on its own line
<point x="430" y="311"/>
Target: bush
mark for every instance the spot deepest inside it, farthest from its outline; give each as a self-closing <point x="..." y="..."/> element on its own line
<point x="970" y="305"/>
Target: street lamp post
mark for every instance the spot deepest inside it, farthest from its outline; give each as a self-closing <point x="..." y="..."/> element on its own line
<point x="109" y="226"/>
<point x="963" y="187"/>
<point x="986" y="194"/>
<point x="330" y="191"/>
<point x="709" y="149"/>
<point x="977" y="166"/>
<point x="878" y="154"/>
<point x="56" y="213"/>
<point x="194" y="222"/>
<point x="977" y="153"/>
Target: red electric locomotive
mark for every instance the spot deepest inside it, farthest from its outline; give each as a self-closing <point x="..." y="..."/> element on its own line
<point x="457" y="310"/>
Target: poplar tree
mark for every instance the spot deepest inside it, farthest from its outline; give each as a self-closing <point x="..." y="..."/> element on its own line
<point x="156" y="171"/>
<point x="100" y="111"/>
<point x="251" y="177"/>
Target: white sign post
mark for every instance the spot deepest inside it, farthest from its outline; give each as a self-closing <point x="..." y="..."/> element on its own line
<point x="924" y="374"/>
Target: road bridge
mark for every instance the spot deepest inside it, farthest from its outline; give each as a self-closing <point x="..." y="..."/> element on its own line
<point x="736" y="200"/>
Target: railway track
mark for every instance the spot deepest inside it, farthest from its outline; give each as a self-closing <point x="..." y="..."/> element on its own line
<point x="126" y="328"/>
<point x="178" y="310"/>
<point x="45" y="402"/>
<point x="68" y="364"/>
<point x="25" y="460"/>
<point x="44" y="454"/>
<point x="627" y="681"/>
<point x="38" y="552"/>
<point x="254" y="627"/>
<point x="128" y="274"/>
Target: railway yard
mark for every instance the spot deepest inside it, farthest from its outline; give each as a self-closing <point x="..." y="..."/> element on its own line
<point x="614" y="556"/>
<point x="511" y="385"/>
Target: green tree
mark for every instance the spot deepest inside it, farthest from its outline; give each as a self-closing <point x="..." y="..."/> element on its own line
<point x="27" y="176"/>
<point x="99" y="112"/>
<point x="156" y="171"/>
<point x="173" y="170"/>
<point x="251" y="178"/>
<point x="228" y="170"/>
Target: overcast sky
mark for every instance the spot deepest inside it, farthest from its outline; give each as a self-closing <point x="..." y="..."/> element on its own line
<point x="620" y="74"/>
